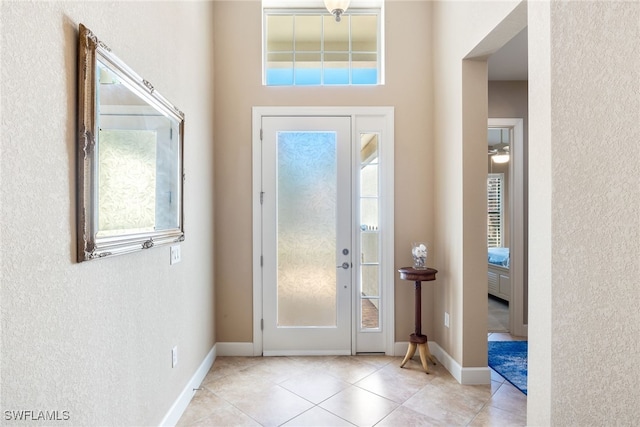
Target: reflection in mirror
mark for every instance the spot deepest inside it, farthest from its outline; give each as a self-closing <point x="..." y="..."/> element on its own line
<point x="129" y="159"/>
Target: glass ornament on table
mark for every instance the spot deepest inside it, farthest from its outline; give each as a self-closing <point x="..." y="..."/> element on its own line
<point x="419" y="254"/>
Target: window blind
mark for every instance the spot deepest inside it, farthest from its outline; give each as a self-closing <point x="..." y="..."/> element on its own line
<point x="495" y="190"/>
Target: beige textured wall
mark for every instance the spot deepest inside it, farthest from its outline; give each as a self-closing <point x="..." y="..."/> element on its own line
<point x="238" y="87"/>
<point x="584" y="86"/>
<point x="95" y="338"/>
<point x="464" y="29"/>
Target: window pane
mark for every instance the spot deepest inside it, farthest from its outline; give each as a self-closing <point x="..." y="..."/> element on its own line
<point x="279" y="33"/>
<point x="364" y="60"/>
<point x="334" y="59"/>
<point x="336" y="34"/>
<point x="338" y="75"/>
<point x="369" y="247"/>
<point x="279" y="59"/>
<point x="370" y="281"/>
<point x="364" y="76"/>
<point x="308" y="33"/>
<point x="370" y="297"/>
<point x="308" y="59"/>
<point x="370" y="313"/>
<point x="336" y="68"/>
<point x="369" y="180"/>
<point x="307" y="69"/>
<point x="364" y="68"/>
<point x="369" y="213"/>
<point x="369" y="149"/>
<point x="307" y="76"/>
<point x="280" y="77"/>
<point x="364" y="33"/>
<point x="280" y="69"/>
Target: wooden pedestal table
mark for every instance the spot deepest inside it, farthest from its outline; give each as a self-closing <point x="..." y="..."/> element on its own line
<point x="417" y="339"/>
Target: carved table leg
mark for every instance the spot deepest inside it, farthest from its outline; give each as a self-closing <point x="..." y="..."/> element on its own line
<point x="410" y="352"/>
<point x="424" y="355"/>
<point x="419" y="341"/>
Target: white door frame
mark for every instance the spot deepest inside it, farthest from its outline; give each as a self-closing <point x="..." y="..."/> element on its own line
<point x="360" y="116"/>
<point x="331" y="334"/>
<point x="516" y="221"/>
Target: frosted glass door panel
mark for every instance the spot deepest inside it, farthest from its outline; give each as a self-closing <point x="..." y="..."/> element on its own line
<point x="306" y="204"/>
<point x="306" y="235"/>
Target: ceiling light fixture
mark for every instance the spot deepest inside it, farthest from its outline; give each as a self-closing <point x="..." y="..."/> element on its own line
<point x="501" y="157"/>
<point x="337" y="7"/>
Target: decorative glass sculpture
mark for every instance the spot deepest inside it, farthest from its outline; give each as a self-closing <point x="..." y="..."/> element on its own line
<point x="419" y="253"/>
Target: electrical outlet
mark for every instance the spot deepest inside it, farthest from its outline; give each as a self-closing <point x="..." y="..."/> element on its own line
<point x="174" y="357"/>
<point x="446" y="319"/>
<point x="175" y="254"/>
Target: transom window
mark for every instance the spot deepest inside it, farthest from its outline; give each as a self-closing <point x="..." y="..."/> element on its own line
<point x="308" y="47"/>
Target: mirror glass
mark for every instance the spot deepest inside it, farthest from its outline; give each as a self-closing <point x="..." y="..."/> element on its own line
<point x="129" y="158"/>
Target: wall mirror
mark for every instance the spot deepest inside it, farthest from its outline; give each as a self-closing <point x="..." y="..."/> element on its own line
<point x="129" y="158"/>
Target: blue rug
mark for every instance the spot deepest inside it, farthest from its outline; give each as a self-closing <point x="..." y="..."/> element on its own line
<point x="509" y="359"/>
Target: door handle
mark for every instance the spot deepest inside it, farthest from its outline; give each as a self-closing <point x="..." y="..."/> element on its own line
<point x="344" y="265"/>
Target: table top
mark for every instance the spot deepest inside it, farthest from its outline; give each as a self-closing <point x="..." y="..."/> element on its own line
<point x="410" y="273"/>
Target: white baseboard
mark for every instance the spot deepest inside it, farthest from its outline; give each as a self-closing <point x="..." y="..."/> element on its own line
<point x="235" y="349"/>
<point x="183" y="400"/>
<point x="466" y="376"/>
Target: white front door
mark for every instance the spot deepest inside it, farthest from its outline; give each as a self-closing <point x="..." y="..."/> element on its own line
<point x="306" y="235"/>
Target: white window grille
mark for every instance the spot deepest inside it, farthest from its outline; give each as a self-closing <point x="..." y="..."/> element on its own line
<point x="495" y="209"/>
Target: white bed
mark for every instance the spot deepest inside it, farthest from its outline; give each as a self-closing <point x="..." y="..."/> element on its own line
<point x="498" y="273"/>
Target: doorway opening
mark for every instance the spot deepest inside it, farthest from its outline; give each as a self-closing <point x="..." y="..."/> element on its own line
<point x="508" y="98"/>
<point x="506" y="260"/>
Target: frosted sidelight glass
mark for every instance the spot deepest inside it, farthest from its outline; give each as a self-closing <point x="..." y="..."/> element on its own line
<point x="307" y="202"/>
<point x="369" y="233"/>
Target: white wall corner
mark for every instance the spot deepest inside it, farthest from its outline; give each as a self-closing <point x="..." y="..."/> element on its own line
<point x="465" y="376"/>
<point x="235" y="349"/>
<point x="182" y="402"/>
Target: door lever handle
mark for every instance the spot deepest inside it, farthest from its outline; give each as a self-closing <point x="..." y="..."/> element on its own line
<point x="344" y="265"/>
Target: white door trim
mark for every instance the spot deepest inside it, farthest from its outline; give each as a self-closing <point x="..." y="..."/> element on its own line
<point x="386" y="214"/>
<point x="516" y="221"/>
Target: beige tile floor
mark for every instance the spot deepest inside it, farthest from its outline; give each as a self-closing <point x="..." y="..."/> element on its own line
<point x="498" y="315"/>
<point x="348" y="391"/>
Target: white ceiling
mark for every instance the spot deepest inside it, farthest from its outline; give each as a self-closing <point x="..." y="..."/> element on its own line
<point x="510" y="62"/>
